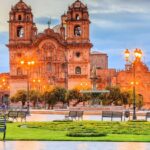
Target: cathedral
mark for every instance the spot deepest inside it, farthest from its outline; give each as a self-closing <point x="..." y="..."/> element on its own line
<point x="59" y="56"/>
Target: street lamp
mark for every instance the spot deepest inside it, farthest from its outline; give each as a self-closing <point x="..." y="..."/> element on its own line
<point x="28" y="64"/>
<point x="83" y="85"/>
<point x="137" y="55"/>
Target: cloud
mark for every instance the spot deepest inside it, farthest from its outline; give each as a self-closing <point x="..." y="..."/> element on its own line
<point x="42" y="22"/>
<point x="115" y="25"/>
<point x="119" y="6"/>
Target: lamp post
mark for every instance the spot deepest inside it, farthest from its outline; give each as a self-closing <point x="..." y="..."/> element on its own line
<point x="137" y="55"/>
<point x="28" y="64"/>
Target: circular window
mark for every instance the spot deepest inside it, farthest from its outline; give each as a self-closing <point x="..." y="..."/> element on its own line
<point x="78" y="54"/>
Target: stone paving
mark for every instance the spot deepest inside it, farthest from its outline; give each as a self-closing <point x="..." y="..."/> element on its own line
<point x="50" y="117"/>
<point x="40" y="145"/>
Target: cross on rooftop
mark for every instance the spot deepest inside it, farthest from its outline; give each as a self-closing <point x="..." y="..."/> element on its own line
<point x="49" y="23"/>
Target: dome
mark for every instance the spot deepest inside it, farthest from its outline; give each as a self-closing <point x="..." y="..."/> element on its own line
<point x="21" y="6"/>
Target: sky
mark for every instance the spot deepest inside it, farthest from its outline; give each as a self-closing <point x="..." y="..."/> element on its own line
<point x="115" y="26"/>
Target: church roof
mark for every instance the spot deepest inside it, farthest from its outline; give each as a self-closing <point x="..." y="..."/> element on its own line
<point x="78" y="4"/>
<point x="57" y="28"/>
<point x="21" y="6"/>
<point x="48" y="34"/>
<point x="97" y="53"/>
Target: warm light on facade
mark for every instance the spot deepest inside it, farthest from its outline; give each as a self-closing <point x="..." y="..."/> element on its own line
<point x="32" y="62"/>
<point x="22" y="62"/>
<point x="136" y="83"/>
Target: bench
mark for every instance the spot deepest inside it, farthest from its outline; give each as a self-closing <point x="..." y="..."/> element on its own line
<point x="22" y="115"/>
<point x="74" y="115"/>
<point x="3" y="125"/>
<point x="147" y="115"/>
<point x="17" y="114"/>
<point x="112" y="114"/>
<point x="80" y="115"/>
<point x="106" y="114"/>
<point x="116" y="114"/>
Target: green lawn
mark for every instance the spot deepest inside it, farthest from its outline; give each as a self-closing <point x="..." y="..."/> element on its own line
<point x="57" y="131"/>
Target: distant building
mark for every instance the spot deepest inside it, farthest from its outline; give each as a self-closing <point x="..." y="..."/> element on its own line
<point x="99" y="59"/>
<point x="124" y="80"/>
<point x="4" y="86"/>
<point x="106" y="77"/>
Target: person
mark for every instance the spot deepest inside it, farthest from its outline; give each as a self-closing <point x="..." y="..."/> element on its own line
<point x="4" y="108"/>
<point x="28" y="107"/>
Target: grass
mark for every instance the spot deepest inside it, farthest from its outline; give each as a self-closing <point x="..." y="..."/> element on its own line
<point x="58" y="131"/>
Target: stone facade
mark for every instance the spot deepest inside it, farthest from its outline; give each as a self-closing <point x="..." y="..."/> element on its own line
<point x="125" y="80"/>
<point x="106" y="77"/>
<point x="59" y="56"/>
<point x="4" y="87"/>
<point x="99" y="59"/>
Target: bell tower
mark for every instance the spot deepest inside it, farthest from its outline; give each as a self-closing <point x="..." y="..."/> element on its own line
<point x="78" y="44"/>
<point x="21" y="26"/>
<point x="22" y="31"/>
<point x="77" y="22"/>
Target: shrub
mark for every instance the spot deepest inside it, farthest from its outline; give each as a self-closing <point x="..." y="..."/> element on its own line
<point x="62" y="120"/>
<point x="85" y="134"/>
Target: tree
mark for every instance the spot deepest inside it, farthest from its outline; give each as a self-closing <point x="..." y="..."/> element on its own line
<point x="114" y="96"/>
<point x="139" y="101"/>
<point x="126" y="96"/>
<point x="72" y="95"/>
<point x="86" y="97"/>
<point x="59" y="94"/>
<point x="35" y="97"/>
<point x="21" y="95"/>
<point x="50" y="99"/>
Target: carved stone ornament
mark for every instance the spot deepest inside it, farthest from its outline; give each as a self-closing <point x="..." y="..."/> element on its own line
<point x="48" y="46"/>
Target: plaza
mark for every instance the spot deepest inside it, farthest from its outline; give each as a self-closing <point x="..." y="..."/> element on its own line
<point x="17" y="145"/>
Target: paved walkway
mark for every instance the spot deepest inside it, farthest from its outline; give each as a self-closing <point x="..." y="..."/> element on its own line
<point x="27" y="145"/>
<point x="50" y="117"/>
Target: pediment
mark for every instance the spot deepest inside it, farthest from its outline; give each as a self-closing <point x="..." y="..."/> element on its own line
<point x="48" y="34"/>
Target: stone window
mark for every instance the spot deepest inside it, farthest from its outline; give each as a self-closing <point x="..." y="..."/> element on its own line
<point x="78" y="54"/>
<point x="49" y="67"/>
<point x="77" y="17"/>
<point x="20" y="31"/>
<point x="78" y="70"/>
<point x="19" y="17"/>
<point x="28" y="18"/>
<point x="19" y="71"/>
<point x="77" y="30"/>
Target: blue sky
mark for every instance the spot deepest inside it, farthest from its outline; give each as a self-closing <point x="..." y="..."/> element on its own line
<point x="115" y="26"/>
